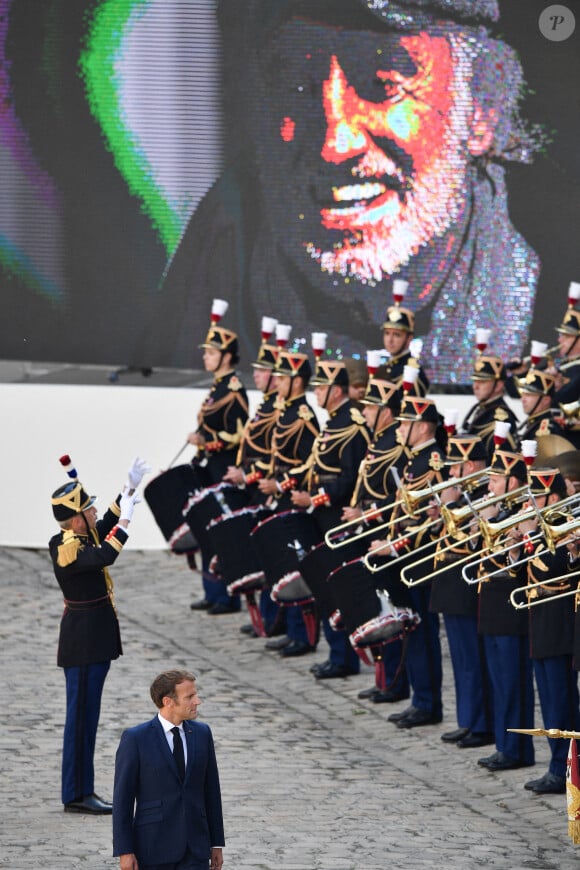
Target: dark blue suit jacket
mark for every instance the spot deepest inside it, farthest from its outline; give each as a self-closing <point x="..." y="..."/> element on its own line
<point x="155" y="815"/>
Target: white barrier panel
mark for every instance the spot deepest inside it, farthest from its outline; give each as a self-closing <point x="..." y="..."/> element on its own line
<point x="102" y="428"/>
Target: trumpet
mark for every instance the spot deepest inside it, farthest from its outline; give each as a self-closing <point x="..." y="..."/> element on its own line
<point x="556" y="596"/>
<point x="549" y="354"/>
<point x="410" y="499"/>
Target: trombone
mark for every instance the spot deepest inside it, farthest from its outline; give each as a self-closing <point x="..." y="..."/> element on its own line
<point x="553" y="534"/>
<point x="459" y="516"/>
<point x="410" y="499"/>
<point x="556" y="596"/>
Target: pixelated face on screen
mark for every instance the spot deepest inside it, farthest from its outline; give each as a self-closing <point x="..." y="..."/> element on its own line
<point x="372" y="131"/>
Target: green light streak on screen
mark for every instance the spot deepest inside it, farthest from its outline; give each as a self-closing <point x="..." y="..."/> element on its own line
<point x="17" y="265"/>
<point x="104" y="46"/>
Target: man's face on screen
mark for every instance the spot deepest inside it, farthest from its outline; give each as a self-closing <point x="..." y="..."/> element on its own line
<point x="369" y="133"/>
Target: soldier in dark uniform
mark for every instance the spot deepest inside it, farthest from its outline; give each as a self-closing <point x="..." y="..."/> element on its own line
<point x="458" y="601"/>
<point x="221" y="421"/>
<point x="418" y="431"/>
<point x="398" y="332"/>
<point x="537" y="393"/>
<point x="551" y="626"/>
<point x="505" y="630"/>
<point x="567" y="385"/>
<point x="292" y="440"/>
<point x="328" y="481"/>
<point x="252" y="464"/>
<point x="489" y="379"/>
<point x="358" y="378"/>
<point x="89" y="630"/>
<point x="376" y="487"/>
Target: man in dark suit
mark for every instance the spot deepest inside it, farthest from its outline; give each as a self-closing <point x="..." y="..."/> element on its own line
<point x="167" y="812"/>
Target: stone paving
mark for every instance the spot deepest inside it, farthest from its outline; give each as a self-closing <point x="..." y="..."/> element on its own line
<point x="312" y="778"/>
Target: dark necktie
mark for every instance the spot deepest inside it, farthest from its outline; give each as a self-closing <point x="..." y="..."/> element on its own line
<point x="178" y="753"/>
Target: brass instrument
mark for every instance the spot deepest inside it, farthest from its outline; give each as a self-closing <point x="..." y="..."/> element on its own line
<point x="533" y="602"/>
<point x="410" y="499"/>
<point x="453" y="517"/>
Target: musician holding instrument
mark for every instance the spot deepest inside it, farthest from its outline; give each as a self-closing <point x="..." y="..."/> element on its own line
<point x="489" y="380"/>
<point x="370" y="502"/>
<point x="221" y="420"/>
<point x="327" y="484"/>
<point x="457" y="601"/>
<point x="419" y="428"/>
<point x="252" y="464"/>
<point x="537" y="391"/>
<point x="292" y="440"/>
<point x="551" y="625"/>
<point x="504" y="631"/>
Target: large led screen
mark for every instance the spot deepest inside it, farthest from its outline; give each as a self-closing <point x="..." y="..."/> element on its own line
<point x="293" y="157"/>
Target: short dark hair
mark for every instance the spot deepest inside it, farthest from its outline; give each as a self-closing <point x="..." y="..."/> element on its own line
<point x="165" y="684"/>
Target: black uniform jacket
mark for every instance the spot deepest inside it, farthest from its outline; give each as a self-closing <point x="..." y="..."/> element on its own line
<point x="496" y="615"/>
<point x="89" y="629"/>
<point x="552" y="622"/>
<point x="481" y="419"/>
<point x="450" y="593"/>
<point x="393" y="370"/>
<point x="334" y="462"/>
<point x="222" y="418"/>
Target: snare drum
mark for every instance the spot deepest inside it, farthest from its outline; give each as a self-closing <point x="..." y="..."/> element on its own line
<point x="166" y="495"/>
<point x="319" y="563"/>
<point x="229" y="536"/>
<point x="281" y="541"/>
<point x="208" y="504"/>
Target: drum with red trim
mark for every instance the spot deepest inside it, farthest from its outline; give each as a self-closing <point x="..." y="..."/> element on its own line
<point x="229" y="536"/>
<point x="166" y="495"/>
<point x="208" y="504"/>
<point x="319" y="563"/>
<point x="281" y="541"/>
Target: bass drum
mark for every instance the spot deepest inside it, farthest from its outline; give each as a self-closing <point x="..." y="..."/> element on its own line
<point x="229" y="537"/>
<point x="166" y="496"/>
<point x="281" y="541"/>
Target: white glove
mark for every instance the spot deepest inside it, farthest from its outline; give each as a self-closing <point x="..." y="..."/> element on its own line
<point x="127" y="505"/>
<point x="139" y="468"/>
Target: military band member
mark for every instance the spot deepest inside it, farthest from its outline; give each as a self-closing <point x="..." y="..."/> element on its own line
<point x="419" y="425"/>
<point x="89" y="636"/>
<point x="398" y="332"/>
<point x="505" y="630"/>
<point x="457" y="601"/>
<point x="566" y="398"/>
<point x="537" y="392"/>
<point x="221" y="420"/>
<point x="489" y="378"/>
<point x="255" y="449"/>
<point x="551" y="624"/>
<point x="292" y="441"/>
<point x="567" y="385"/>
<point x="328" y="482"/>
<point x="376" y="487"/>
<point x="253" y="461"/>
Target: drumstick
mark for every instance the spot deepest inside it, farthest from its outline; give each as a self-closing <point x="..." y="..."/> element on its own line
<point x="177" y="455"/>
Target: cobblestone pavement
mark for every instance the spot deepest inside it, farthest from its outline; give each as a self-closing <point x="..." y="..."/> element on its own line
<point x="312" y="778"/>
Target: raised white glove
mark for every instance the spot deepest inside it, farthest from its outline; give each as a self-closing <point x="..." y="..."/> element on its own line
<point x="139" y="468"/>
<point x="127" y="505"/>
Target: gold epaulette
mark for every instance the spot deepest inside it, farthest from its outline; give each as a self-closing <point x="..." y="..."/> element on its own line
<point x="69" y="549"/>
